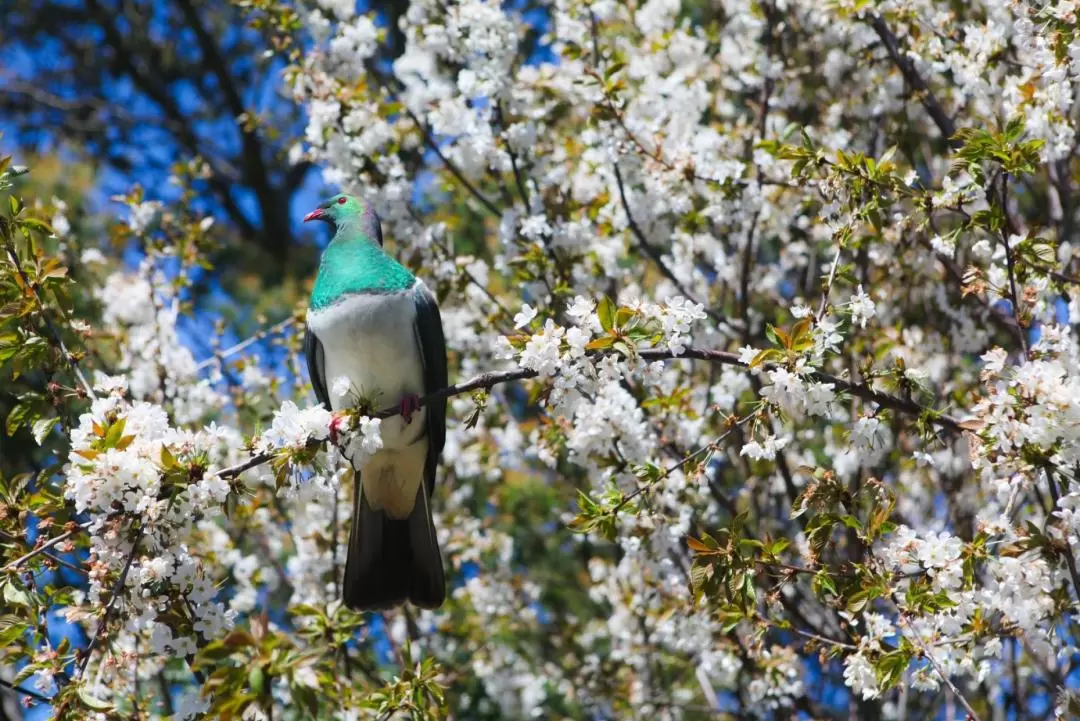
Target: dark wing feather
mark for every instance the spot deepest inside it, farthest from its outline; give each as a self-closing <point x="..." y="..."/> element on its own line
<point x="316" y="366"/>
<point x="429" y="336"/>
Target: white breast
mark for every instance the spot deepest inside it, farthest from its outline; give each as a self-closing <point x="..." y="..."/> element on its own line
<point x="370" y="339"/>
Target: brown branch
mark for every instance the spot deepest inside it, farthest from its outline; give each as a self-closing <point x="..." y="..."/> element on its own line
<point x="912" y="77"/>
<point x="1070" y="560"/>
<point x="25" y="691"/>
<point x="272" y="210"/>
<point x="654" y="253"/>
<point x="490" y="379"/>
<point x="14" y="565"/>
<point x="255" y="338"/>
<point x="54" y="558"/>
<point x="99" y="633"/>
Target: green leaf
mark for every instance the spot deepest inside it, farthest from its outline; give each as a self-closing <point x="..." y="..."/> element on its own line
<point x="168" y="460"/>
<point x="823" y="582"/>
<point x="115" y="433"/>
<point x="770" y="333"/>
<point x="15" y="596"/>
<point x="214" y="651"/>
<point x="11" y="634"/>
<point x="765" y="356"/>
<point x="92" y="703"/>
<point x="39" y="225"/>
<point x="606" y="311"/>
<point x="613" y="68"/>
<point x="600" y="343"/>
<point x="42" y="428"/>
<point x="16" y="417"/>
<point x="256" y="680"/>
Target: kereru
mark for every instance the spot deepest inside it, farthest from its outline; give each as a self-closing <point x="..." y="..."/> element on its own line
<point x="371" y="321"/>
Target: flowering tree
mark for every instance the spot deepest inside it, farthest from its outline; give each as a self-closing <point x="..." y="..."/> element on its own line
<point x="766" y="401"/>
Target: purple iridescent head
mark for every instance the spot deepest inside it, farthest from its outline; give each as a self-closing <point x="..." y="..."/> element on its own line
<point x="344" y="210"/>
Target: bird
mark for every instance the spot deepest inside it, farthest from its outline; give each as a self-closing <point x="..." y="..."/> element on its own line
<point x="373" y="322"/>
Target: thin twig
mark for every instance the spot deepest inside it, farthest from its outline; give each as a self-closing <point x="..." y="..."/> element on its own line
<point x="1010" y="263"/>
<point x="233" y="350"/>
<point x="99" y="633"/>
<point x="429" y="140"/>
<point x="513" y="159"/>
<point x="710" y="447"/>
<point x="52" y="557"/>
<point x="945" y="677"/>
<point x="25" y="691"/>
<point x="813" y="636"/>
<point x="14" y="565"/>
<point x="1000" y="318"/>
<point x="33" y="288"/>
<point x="643" y="242"/>
<point x="1070" y="560"/>
<point x="762" y="124"/>
<point x="655" y="254"/>
<point x="828" y="285"/>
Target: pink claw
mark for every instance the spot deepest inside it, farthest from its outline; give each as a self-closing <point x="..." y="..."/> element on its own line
<point x="410" y="403"/>
<point x="335" y="428"/>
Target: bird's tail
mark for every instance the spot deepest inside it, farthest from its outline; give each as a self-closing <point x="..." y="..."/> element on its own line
<point x="391" y="561"/>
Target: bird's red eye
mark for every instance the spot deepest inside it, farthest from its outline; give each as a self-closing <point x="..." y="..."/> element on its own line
<point x="341" y="201"/>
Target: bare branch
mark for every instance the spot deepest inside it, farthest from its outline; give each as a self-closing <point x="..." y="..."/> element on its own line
<point x="14" y="565"/>
<point x="52" y="557"/>
<point x="233" y="350"/>
<point x="25" y="691"/>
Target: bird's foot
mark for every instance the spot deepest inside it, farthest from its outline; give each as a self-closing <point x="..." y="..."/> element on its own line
<point x="335" y="428"/>
<point x="410" y="403"/>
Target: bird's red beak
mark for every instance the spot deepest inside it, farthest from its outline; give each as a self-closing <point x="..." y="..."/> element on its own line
<point x="314" y="215"/>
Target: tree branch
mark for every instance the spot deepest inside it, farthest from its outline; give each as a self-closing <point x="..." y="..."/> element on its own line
<point x="429" y="140"/>
<point x="233" y="350"/>
<point x="25" y="691"/>
<point x="99" y="633"/>
<point x="912" y="77"/>
<point x="14" y="565"/>
<point x="273" y="211"/>
<point x="156" y="89"/>
<point x="54" y="558"/>
<point x="655" y="254"/>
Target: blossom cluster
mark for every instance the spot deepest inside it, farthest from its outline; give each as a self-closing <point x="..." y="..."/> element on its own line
<point x="771" y="318"/>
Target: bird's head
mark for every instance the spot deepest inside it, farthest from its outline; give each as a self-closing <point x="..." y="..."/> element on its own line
<point x="344" y="211"/>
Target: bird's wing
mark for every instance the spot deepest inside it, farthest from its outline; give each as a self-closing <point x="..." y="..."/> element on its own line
<point x="316" y="365"/>
<point x="432" y="343"/>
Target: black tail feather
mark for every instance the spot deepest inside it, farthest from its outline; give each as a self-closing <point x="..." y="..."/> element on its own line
<point x="392" y="561"/>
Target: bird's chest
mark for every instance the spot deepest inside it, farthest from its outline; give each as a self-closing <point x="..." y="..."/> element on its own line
<point x="370" y="339"/>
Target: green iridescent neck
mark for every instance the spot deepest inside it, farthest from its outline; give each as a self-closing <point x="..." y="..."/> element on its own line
<point x="354" y="264"/>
